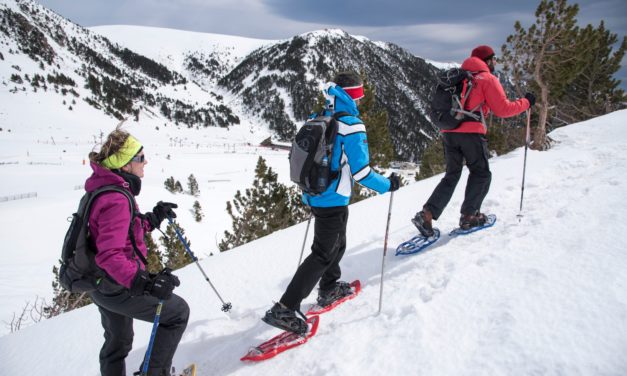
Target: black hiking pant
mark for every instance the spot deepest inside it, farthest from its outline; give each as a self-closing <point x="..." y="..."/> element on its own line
<point x="117" y="311"/>
<point x="323" y="264"/>
<point x="472" y="147"/>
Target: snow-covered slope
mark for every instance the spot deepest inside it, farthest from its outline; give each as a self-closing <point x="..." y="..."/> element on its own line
<point x="546" y="295"/>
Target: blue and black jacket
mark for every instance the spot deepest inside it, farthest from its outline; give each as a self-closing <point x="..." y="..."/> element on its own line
<point x="350" y="154"/>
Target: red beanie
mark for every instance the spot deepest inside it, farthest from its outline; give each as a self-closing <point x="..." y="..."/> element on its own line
<point x="483" y="52"/>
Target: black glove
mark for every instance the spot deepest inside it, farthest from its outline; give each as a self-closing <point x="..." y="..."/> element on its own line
<point x="160" y="212"/>
<point x="140" y="282"/>
<point x="531" y="98"/>
<point x="395" y="182"/>
<point x="162" y="284"/>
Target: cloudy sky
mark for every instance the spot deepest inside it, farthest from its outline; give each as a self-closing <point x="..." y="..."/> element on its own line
<point x="438" y="30"/>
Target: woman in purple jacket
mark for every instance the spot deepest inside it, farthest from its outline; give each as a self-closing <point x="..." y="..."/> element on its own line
<point x="128" y="291"/>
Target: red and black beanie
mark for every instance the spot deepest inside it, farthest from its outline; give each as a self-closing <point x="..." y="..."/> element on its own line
<point x="483" y="52"/>
<point x="352" y="84"/>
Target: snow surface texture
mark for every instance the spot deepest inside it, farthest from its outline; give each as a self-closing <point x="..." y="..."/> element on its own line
<point x="543" y="296"/>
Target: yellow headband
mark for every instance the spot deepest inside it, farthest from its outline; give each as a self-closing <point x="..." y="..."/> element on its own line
<point x="124" y="155"/>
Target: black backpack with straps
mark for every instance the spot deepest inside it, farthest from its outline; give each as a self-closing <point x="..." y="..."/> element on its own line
<point x="78" y="272"/>
<point x="449" y="97"/>
<point x="310" y="155"/>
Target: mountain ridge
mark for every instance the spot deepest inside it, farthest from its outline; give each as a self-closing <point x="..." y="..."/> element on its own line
<point x="124" y="72"/>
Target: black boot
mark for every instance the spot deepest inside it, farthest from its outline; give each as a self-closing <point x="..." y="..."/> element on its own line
<point x="422" y="221"/>
<point x="340" y="290"/>
<point x="284" y="318"/>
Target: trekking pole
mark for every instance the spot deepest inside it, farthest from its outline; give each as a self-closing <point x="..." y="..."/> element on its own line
<point x="527" y="141"/>
<point x="385" y="251"/>
<point x="302" y="250"/>
<point x="225" y="306"/>
<point x="152" y="339"/>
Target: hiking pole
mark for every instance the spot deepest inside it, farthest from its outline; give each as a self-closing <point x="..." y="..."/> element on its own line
<point x="152" y="339"/>
<point x="302" y="250"/>
<point x="527" y="141"/>
<point x="385" y="251"/>
<point x="225" y="306"/>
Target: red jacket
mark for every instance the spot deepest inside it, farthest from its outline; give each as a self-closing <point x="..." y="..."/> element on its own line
<point x="487" y="90"/>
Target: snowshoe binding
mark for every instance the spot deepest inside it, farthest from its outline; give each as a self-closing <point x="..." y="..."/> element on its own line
<point x="468" y="221"/>
<point x="284" y="318"/>
<point x="339" y="291"/>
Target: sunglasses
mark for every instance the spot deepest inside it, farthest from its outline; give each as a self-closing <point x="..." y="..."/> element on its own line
<point x="139" y="158"/>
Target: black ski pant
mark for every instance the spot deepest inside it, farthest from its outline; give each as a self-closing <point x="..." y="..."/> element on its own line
<point x="323" y="264"/>
<point x="117" y="311"/>
<point x="472" y="147"/>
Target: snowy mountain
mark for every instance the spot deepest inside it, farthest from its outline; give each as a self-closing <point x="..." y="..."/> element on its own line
<point x="200" y="57"/>
<point x="544" y="295"/>
<point x="43" y="52"/>
<point x="278" y="82"/>
<point x="283" y="81"/>
<point x="202" y="80"/>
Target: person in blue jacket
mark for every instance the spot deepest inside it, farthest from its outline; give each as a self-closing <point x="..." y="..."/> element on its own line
<point x="351" y="161"/>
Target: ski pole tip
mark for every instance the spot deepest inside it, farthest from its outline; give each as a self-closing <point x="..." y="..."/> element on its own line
<point x="226" y="307"/>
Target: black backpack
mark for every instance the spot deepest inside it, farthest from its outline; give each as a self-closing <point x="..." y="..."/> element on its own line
<point x="78" y="272"/>
<point x="310" y="155"/>
<point x="448" y="99"/>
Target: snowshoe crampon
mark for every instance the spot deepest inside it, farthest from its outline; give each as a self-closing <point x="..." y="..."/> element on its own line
<point x="317" y="309"/>
<point x="417" y="243"/>
<point x="281" y="342"/>
<point x="490" y="220"/>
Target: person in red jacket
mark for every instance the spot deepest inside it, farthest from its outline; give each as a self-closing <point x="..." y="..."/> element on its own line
<point x="468" y="142"/>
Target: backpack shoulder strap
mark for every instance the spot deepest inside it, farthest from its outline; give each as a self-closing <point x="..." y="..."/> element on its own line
<point x="113" y="188"/>
<point x="338" y="115"/>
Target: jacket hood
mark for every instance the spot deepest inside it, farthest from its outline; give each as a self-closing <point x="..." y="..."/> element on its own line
<point x="338" y="100"/>
<point x="474" y="64"/>
<point x="102" y="176"/>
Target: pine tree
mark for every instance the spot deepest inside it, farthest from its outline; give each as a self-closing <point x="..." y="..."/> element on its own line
<point x="192" y="185"/>
<point x="376" y="120"/>
<point x="266" y="207"/>
<point x="170" y="184"/>
<point x="175" y="254"/>
<point x="594" y="92"/>
<point x="155" y="258"/>
<point x="544" y="58"/>
<point x="178" y="188"/>
<point x="198" y="214"/>
<point x="432" y="161"/>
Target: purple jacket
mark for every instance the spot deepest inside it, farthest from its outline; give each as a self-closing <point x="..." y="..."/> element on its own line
<point x="108" y="224"/>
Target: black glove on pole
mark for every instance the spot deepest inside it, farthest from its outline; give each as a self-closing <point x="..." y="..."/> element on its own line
<point x="160" y="212"/>
<point x="158" y="285"/>
<point x="162" y="284"/>
<point x="395" y="182"/>
<point x="531" y="98"/>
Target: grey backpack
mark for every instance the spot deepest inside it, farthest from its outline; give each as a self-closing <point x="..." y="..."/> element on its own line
<point x="310" y="156"/>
